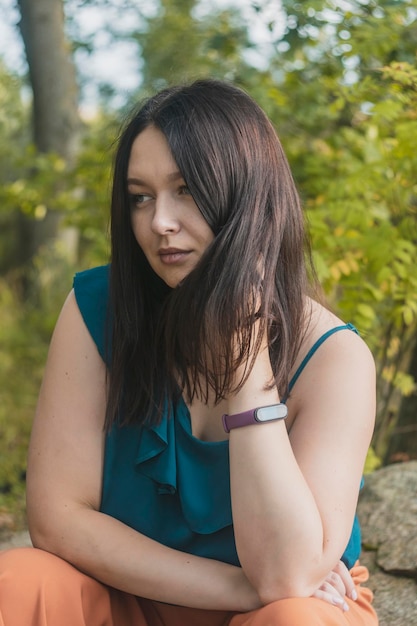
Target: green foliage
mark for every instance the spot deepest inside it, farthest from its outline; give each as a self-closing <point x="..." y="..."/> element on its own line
<point x="89" y="189"/>
<point x="372" y="462"/>
<point x="16" y="402"/>
<point x="14" y="133"/>
<point x="44" y="184"/>
<point x="180" y="44"/>
<point x="364" y="226"/>
<point x="345" y="108"/>
<point x="25" y="333"/>
<point x="31" y="296"/>
<point x="14" y="121"/>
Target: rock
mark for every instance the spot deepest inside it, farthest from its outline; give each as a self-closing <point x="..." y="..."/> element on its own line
<point x="16" y="540"/>
<point x="387" y="511"/>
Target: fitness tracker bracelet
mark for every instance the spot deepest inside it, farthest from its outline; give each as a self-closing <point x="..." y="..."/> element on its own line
<point x="260" y="415"/>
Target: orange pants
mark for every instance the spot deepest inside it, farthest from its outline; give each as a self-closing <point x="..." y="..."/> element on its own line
<point x="40" y="589"/>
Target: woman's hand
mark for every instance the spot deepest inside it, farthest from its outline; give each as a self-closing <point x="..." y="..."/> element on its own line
<point x="337" y="585"/>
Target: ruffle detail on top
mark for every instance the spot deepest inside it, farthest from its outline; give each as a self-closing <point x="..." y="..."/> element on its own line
<point x="197" y="471"/>
<point x="156" y="456"/>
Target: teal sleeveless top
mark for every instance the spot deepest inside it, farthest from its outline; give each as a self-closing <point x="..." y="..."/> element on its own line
<point x="161" y="480"/>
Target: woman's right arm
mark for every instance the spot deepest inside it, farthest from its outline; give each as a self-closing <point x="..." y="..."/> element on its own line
<point x="64" y="482"/>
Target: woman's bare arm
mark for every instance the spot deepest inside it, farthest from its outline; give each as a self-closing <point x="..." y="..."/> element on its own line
<point x="294" y="495"/>
<point x="64" y="488"/>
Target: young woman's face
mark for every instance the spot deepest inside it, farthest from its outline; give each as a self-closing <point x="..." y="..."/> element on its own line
<point x="166" y="221"/>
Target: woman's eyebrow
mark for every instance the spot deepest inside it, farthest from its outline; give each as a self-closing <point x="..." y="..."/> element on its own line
<point x="135" y="181"/>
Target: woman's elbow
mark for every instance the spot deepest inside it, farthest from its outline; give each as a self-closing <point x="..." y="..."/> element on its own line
<point x="47" y="529"/>
<point x="275" y="586"/>
<point x="41" y="536"/>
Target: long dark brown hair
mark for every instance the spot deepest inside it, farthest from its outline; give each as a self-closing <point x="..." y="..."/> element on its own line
<point x="167" y="342"/>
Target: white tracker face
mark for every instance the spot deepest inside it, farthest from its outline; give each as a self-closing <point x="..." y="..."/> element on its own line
<point x="274" y="412"/>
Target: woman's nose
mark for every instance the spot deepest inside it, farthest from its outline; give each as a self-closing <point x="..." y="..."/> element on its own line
<point x="165" y="219"/>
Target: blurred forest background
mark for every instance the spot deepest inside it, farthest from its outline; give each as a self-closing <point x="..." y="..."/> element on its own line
<point x="339" y="80"/>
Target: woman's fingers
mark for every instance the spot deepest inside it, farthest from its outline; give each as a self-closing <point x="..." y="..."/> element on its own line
<point x="342" y="571"/>
<point x="337" y="586"/>
<point x="330" y="595"/>
<point x="335" y="581"/>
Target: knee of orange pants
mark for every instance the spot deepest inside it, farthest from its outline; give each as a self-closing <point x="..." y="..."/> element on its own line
<point x="37" y="587"/>
<point x="291" y="612"/>
<point x="308" y="612"/>
<point x="315" y="612"/>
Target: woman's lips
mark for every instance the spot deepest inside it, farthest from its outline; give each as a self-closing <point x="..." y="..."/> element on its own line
<point x="170" y="256"/>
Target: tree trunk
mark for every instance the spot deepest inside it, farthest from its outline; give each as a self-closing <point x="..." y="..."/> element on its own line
<point x="52" y="75"/>
<point x="56" y="122"/>
<point x="403" y="440"/>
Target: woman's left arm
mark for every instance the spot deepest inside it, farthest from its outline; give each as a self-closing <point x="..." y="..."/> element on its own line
<point x="294" y="494"/>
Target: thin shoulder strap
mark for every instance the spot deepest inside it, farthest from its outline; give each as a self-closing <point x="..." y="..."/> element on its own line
<point x="312" y="351"/>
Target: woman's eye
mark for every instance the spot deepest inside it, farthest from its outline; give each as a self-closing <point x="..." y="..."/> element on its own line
<point x="138" y="198"/>
<point x="184" y="191"/>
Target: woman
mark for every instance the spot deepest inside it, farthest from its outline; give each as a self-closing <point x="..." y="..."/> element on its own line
<point x="202" y="425"/>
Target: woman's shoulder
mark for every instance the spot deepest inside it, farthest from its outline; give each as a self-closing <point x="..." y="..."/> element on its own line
<point x="322" y="323"/>
<point x="329" y="342"/>
<point x="334" y="365"/>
